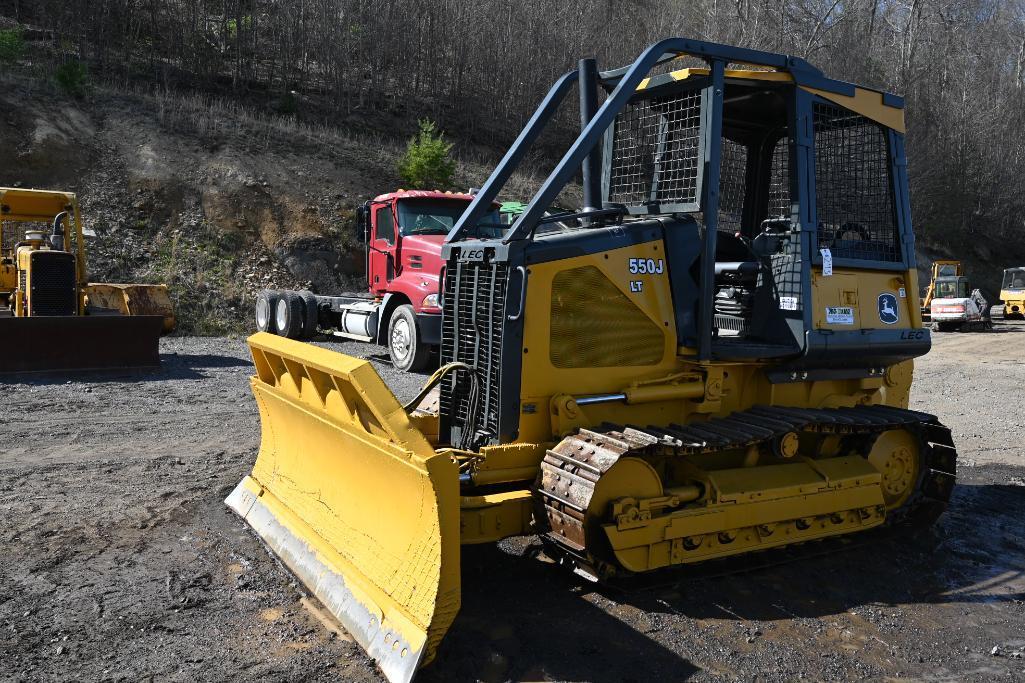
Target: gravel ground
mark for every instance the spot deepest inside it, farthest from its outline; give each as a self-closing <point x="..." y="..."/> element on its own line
<point x="120" y="562"/>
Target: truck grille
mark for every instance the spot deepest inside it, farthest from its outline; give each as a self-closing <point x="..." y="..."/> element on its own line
<point x="52" y="282"/>
<point x="471" y="332"/>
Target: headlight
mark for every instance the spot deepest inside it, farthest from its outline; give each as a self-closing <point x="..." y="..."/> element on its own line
<point x="431" y="301"/>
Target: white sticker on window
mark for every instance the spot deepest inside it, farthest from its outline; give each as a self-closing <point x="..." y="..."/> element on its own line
<point x="903" y="293"/>
<point x="827" y="262"/>
<point x="788" y="303"/>
<point x="839" y="315"/>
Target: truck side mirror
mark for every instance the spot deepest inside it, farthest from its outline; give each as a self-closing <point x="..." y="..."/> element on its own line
<point x="362" y="224"/>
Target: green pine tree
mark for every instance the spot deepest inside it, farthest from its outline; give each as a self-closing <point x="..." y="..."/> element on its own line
<point x="426" y="163"/>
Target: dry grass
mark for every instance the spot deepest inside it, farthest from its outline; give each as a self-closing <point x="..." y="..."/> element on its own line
<point x="210" y="117"/>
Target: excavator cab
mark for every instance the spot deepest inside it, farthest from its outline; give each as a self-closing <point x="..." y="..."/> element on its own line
<point x="952" y="287"/>
<point x="717" y="361"/>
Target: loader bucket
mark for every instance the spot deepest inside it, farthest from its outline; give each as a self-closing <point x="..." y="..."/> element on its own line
<point x="132" y="299"/>
<point x="354" y="500"/>
<point x="76" y="342"/>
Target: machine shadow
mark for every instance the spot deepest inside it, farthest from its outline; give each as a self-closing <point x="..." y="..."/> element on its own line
<point x="172" y="366"/>
<point x="999" y="328"/>
<point x="523" y="619"/>
<point x="515" y="604"/>
<point x="974" y="554"/>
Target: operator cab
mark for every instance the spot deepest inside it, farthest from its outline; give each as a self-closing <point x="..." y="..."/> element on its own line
<point x="952" y="287"/>
<point x="769" y="220"/>
<point x="1014" y="278"/>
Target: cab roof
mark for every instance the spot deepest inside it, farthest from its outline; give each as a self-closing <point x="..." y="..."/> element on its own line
<point x="882" y="107"/>
<point x="422" y="194"/>
<point x="18" y="204"/>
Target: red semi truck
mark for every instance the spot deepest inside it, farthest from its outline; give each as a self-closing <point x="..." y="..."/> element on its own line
<point x="403" y="232"/>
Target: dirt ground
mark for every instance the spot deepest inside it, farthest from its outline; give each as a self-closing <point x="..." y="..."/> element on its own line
<point x="119" y="561"/>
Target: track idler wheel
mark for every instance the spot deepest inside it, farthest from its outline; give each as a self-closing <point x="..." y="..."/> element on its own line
<point x="897" y="455"/>
<point x="918" y="469"/>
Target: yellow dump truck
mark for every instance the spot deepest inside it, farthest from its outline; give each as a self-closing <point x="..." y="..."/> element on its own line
<point x="717" y="362"/>
<point x="51" y="316"/>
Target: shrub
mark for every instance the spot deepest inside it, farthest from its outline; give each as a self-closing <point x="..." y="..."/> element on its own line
<point x="427" y="163"/>
<point x="12" y="45"/>
<point x="72" y="77"/>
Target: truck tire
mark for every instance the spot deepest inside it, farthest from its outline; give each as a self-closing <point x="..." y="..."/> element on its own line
<point x="407" y="352"/>
<point x="311" y="314"/>
<point x="266" y="309"/>
<point x="289" y="315"/>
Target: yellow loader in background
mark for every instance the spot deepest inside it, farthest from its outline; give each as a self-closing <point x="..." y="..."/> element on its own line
<point x="51" y="316"/>
<point x="717" y="362"/>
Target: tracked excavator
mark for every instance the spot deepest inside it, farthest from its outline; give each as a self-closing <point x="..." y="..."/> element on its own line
<point x="718" y="362"/>
<point x="940" y="269"/>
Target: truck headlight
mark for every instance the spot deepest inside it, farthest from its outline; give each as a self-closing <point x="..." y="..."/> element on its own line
<point x="431" y="301"/>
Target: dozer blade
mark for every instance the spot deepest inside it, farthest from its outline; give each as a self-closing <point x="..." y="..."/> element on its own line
<point x="75" y="342"/>
<point x="354" y="500"/>
<point x="132" y="299"/>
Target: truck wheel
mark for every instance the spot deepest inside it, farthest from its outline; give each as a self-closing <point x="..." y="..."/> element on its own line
<point x="289" y="315"/>
<point x="266" y="308"/>
<point x="407" y="352"/>
<point x="311" y="314"/>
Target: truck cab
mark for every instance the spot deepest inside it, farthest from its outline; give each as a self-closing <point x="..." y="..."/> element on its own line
<point x="402" y="232"/>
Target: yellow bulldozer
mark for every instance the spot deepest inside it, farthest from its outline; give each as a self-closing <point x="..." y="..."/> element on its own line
<point x="51" y="317"/>
<point x="1012" y="293"/>
<point x="717" y="362"/>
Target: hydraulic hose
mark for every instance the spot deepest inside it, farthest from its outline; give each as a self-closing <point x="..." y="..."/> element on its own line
<point x="473" y="400"/>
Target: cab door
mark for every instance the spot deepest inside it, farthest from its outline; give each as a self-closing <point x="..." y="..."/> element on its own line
<point x="381" y="251"/>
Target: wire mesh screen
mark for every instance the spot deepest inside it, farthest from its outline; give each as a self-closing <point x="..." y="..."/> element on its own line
<point x="655" y="150"/>
<point x="779" y="181"/>
<point x="853" y="194"/>
<point x="732" y="185"/>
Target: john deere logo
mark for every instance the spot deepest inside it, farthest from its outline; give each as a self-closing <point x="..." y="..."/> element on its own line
<point x="888" y="308"/>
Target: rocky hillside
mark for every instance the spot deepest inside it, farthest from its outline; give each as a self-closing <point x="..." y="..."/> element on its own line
<point x="213" y="199"/>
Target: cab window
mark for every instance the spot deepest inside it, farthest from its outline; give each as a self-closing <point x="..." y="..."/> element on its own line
<point x="385" y="225"/>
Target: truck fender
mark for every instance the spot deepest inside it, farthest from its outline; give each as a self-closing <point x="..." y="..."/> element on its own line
<point x="389" y="303"/>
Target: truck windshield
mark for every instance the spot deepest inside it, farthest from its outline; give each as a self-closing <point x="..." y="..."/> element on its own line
<point x="436" y="217"/>
<point x="1014" y="278"/>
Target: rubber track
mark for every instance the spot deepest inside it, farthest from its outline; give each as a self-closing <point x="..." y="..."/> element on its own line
<point x="570" y="470"/>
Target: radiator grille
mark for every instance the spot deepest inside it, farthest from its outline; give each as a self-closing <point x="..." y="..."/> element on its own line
<point x="655" y="151"/>
<point x="853" y="193"/>
<point x="471" y="332"/>
<point x="595" y="325"/>
<point x="52" y="284"/>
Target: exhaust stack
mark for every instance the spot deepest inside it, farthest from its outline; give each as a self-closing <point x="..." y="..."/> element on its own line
<point x="591" y="168"/>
